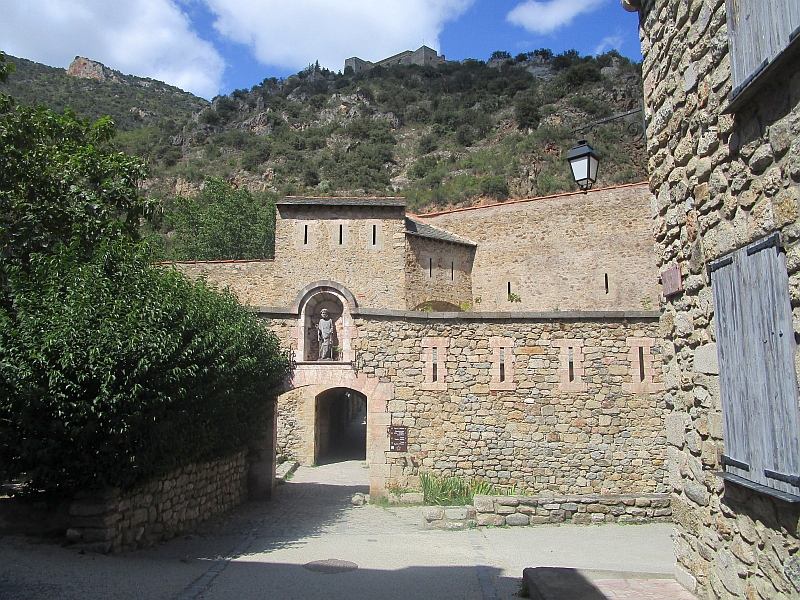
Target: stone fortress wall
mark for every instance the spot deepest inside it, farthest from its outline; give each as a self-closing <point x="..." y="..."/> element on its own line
<point x="722" y="181"/>
<point x="361" y="247"/>
<point x="438" y="274"/>
<point x="567" y="252"/>
<point x="538" y="397"/>
<point x="531" y="427"/>
<point x="576" y="410"/>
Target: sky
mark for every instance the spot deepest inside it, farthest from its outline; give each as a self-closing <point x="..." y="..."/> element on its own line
<point x="212" y="47"/>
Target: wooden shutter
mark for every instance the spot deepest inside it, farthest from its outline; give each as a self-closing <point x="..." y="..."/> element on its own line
<point x="758" y="30"/>
<point x="758" y="381"/>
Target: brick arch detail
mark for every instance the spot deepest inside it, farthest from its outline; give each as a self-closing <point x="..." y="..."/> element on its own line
<point x="322" y="286"/>
<point x="317" y="379"/>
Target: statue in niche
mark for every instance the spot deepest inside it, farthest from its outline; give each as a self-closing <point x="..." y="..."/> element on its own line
<point x="326" y="334"/>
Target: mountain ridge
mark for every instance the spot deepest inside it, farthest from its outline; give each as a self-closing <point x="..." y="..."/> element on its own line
<point x="454" y="135"/>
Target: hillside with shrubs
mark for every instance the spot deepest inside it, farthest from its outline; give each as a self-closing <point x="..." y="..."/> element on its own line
<point x="456" y="135"/>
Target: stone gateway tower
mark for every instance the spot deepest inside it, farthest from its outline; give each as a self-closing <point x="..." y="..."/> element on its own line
<point x="517" y="342"/>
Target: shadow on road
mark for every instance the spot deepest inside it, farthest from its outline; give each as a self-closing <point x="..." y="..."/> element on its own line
<point x="250" y="580"/>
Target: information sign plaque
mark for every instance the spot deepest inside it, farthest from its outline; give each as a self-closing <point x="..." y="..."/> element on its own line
<point x="398" y="439"/>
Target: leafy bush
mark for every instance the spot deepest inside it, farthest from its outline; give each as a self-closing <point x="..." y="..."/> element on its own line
<point x="495" y="187"/>
<point x="427" y="144"/>
<point x="581" y="73"/>
<point x="454" y="491"/>
<point x="223" y="224"/>
<point x="526" y="111"/>
<point x="113" y="371"/>
<point x="465" y="136"/>
<point x="424" y="166"/>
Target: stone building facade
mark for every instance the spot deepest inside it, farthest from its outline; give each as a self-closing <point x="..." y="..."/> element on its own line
<point x="555" y="392"/>
<point x="421" y="56"/>
<point x="565" y="252"/>
<point x="722" y="93"/>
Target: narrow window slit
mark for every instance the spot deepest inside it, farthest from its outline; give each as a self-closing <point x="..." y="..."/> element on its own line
<point x="430" y="267"/>
<point x="502" y="364"/>
<point x="374" y="235"/>
<point x="606" y="283"/>
<point x="435" y="364"/>
<point x="571" y="364"/>
<point x="452" y="271"/>
<point x="509" y="288"/>
<point x="341" y="234"/>
<point x="305" y="235"/>
<point x="641" y="363"/>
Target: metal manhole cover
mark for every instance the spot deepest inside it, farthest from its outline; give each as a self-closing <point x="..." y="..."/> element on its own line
<point x="331" y="566"/>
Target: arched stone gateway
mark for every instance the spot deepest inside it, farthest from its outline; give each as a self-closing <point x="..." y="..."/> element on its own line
<point x="304" y="410"/>
<point x="340" y="426"/>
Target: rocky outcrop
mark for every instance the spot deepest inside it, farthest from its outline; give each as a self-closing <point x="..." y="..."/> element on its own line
<point x="89" y="69"/>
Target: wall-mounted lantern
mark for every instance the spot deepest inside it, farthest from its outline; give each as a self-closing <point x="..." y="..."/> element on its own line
<point x="583" y="160"/>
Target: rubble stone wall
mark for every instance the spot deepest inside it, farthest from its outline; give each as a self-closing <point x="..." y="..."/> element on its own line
<point x="113" y="521"/>
<point x="594" y="428"/>
<point x="515" y="511"/>
<point x="720" y="181"/>
<point x="537" y="430"/>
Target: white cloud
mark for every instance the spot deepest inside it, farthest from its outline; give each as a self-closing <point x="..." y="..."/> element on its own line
<point x="546" y="17"/>
<point x="611" y="42"/>
<point x="148" y="38"/>
<point x="296" y="33"/>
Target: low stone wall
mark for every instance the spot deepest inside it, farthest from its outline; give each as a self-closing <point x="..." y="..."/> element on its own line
<point x="514" y="511"/>
<point x="112" y="521"/>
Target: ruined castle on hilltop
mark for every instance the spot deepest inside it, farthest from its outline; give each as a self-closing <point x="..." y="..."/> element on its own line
<point x="421" y="56"/>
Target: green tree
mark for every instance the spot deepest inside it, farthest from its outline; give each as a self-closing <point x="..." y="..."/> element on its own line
<point x="526" y="110"/>
<point x="60" y="180"/>
<point x="500" y="55"/>
<point x="223" y="223"/>
<point x="6" y="67"/>
<point x="113" y="371"/>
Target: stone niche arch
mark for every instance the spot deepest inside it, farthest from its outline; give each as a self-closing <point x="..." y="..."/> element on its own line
<point x="341" y="305"/>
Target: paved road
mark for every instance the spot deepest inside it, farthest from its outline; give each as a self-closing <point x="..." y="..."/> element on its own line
<point x="260" y="550"/>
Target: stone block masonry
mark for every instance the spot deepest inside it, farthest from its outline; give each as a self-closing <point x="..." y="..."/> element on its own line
<point x="525" y="425"/>
<point x="721" y="179"/>
<point x="515" y="511"/>
<point x="113" y="521"/>
<point x="538" y="433"/>
<point x="566" y="252"/>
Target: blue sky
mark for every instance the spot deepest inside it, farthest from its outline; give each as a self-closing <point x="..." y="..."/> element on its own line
<point x="215" y="46"/>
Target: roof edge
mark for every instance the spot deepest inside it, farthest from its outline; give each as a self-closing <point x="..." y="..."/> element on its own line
<point x="520" y="200"/>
